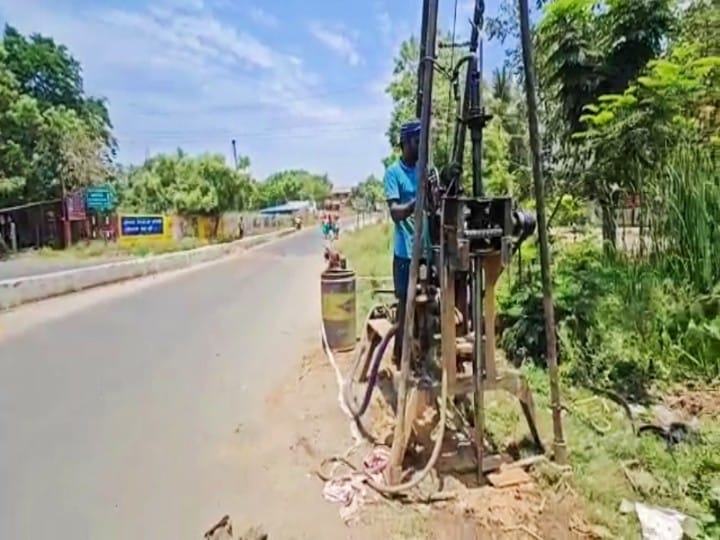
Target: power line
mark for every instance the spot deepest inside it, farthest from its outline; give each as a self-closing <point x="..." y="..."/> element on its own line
<point x="247" y="105"/>
<point x="314" y="127"/>
<point x="180" y="138"/>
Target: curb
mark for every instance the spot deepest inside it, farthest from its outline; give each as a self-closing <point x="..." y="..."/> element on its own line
<point x="23" y="290"/>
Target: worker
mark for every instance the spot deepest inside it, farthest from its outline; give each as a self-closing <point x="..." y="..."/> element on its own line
<point x="401" y="182"/>
<point x="325" y="226"/>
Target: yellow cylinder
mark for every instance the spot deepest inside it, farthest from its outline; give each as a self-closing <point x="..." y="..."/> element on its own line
<point x="338" y="295"/>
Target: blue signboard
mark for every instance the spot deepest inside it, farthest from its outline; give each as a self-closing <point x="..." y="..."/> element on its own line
<point x="99" y="199"/>
<point x="142" y="225"/>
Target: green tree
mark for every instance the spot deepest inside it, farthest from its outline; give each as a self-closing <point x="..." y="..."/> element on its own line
<point x="402" y="89"/>
<point x="589" y="49"/>
<point x="368" y="193"/>
<point x="290" y="185"/>
<point x="51" y="133"/>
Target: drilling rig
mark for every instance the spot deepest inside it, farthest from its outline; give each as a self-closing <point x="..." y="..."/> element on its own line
<point x="448" y="349"/>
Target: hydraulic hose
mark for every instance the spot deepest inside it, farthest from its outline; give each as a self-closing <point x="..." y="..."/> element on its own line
<point x="349" y="380"/>
<point x="419" y="476"/>
<point x="372" y="379"/>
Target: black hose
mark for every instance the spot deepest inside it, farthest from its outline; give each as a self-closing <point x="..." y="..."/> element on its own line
<point x="372" y="378"/>
<point x="375" y="369"/>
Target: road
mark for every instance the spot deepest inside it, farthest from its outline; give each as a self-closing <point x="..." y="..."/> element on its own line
<point x="128" y="418"/>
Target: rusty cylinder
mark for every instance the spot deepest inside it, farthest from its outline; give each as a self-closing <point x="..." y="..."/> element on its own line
<point x="338" y="296"/>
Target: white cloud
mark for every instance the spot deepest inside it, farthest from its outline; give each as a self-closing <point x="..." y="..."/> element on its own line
<point x="263" y="18"/>
<point x="176" y="74"/>
<point x="338" y="41"/>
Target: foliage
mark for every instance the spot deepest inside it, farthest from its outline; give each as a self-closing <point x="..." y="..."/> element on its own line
<point x="505" y="154"/>
<point x="369" y="193"/>
<point x="293" y="185"/>
<point x="620" y="325"/>
<point x="683" y="212"/>
<point x="203" y="185"/>
<point x="589" y="50"/>
<point x="50" y="132"/>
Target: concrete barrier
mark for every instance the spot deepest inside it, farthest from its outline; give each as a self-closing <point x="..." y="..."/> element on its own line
<point x="22" y="290"/>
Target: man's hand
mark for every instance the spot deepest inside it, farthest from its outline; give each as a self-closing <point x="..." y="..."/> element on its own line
<point x="400" y="212"/>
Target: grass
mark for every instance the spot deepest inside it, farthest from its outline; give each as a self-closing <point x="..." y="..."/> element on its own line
<point x="610" y="463"/>
<point x="101" y="249"/>
<point x="369" y="253"/>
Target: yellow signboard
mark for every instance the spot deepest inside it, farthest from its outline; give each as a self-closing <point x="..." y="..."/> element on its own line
<point x="142" y="228"/>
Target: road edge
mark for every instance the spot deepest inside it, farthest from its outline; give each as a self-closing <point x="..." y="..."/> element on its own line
<point x="18" y="291"/>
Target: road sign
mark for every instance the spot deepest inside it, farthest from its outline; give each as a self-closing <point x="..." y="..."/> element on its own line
<point x="135" y="229"/>
<point x="100" y="199"/>
<point x="75" y="206"/>
<point x="142" y="225"/>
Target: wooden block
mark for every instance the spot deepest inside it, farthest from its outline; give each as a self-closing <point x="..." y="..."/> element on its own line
<point x="509" y="477"/>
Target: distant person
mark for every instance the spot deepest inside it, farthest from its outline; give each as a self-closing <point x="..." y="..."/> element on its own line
<point x="400" y="184"/>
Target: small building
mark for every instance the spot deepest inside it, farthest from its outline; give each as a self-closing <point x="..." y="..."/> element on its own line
<point x="290" y="208"/>
<point x="341" y="196"/>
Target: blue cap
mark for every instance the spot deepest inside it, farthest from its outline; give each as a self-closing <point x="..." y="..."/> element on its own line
<point x="409" y="130"/>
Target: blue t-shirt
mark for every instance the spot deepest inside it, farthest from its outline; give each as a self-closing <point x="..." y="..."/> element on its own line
<point x="401" y="184"/>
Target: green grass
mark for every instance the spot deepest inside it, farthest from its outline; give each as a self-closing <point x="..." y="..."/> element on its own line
<point x="369" y="253"/>
<point x="101" y="249"/>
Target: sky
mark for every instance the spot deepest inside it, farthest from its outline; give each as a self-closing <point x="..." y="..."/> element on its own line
<point x="297" y="83"/>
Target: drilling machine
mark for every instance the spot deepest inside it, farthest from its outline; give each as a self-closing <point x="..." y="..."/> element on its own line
<point x="449" y="333"/>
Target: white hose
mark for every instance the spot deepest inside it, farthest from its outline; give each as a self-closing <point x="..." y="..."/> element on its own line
<point x="357" y="438"/>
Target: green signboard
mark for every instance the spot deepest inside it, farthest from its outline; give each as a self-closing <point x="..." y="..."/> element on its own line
<point x="100" y="199"/>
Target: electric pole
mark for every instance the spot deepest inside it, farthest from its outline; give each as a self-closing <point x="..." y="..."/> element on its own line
<point x="234" y="149"/>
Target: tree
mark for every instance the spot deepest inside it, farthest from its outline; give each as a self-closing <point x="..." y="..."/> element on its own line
<point x="203" y="185"/>
<point x="369" y="193"/>
<point x="298" y="184"/>
<point x="402" y="90"/>
<point x="591" y="49"/>
<point x="51" y="133"/>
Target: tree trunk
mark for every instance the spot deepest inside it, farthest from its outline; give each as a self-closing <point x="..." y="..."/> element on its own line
<point x="609" y="227"/>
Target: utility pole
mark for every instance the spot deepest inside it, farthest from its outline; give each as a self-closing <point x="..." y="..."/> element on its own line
<point x="559" y="445"/>
<point x="234" y="148"/>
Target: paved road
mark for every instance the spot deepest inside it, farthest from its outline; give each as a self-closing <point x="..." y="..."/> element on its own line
<point x="118" y="420"/>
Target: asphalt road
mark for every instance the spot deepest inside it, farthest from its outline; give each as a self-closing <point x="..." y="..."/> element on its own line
<point x="118" y="420"/>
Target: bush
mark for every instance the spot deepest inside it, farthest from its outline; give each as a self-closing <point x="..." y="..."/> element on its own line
<point x="619" y="323"/>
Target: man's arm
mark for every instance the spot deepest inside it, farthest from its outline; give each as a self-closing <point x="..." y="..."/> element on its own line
<point x="398" y="211"/>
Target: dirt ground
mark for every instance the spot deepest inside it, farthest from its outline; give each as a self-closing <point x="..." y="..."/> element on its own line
<point x="308" y="425"/>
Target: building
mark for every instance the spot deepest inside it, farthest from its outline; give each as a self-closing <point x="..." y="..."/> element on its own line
<point x="341" y="196"/>
<point x="290" y="208"/>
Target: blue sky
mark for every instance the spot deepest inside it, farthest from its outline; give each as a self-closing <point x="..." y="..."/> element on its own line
<point x="298" y="83"/>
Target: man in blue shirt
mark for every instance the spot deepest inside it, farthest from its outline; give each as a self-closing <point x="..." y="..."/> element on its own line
<point x="401" y="182"/>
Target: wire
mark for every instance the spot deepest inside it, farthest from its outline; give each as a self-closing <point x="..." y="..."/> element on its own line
<point x="309" y="131"/>
<point x="242" y="106"/>
<point x="450" y="87"/>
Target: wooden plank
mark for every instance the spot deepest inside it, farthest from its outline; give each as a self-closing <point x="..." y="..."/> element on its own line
<point x="507" y="477"/>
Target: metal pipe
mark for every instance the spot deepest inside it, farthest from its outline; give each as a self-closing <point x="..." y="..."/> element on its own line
<point x="397" y="450"/>
<point x="479" y="365"/>
<point x="559" y="446"/>
<point x="421" y="64"/>
<point x="475" y="80"/>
